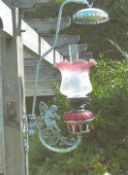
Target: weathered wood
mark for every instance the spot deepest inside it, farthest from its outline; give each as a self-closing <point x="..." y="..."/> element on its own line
<point x="13" y="103"/>
<point x="64" y="50"/>
<point x="45" y="88"/>
<point x="47" y="76"/>
<point x="82" y="47"/>
<point x="1" y="120"/>
<point x="63" y="39"/>
<point x="48" y="25"/>
<point x="31" y="39"/>
<point x="86" y="55"/>
<point x="7" y="19"/>
<point x="46" y="70"/>
<point x="13" y="138"/>
<point x="35" y="43"/>
<point x="25" y="3"/>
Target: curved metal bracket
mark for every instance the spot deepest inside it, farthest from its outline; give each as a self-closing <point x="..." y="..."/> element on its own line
<point x="50" y="135"/>
<point x="58" y="149"/>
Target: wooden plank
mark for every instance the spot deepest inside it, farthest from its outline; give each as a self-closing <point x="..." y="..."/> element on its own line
<point x="47" y="76"/>
<point x="47" y="25"/>
<point x="7" y="19"/>
<point x="1" y="120"/>
<point x="64" y="50"/>
<point x="13" y="103"/>
<point x="46" y="70"/>
<point x="45" y="87"/>
<point x="36" y="44"/>
<point x="86" y="55"/>
<point x="63" y="39"/>
<point x="31" y="39"/>
<point x="13" y="138"/>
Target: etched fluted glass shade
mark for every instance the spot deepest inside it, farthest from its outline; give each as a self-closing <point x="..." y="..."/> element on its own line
<point x="75" y="78"/>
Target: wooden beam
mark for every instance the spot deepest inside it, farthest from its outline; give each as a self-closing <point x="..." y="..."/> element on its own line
<point x="1" y="120"/>
<point x="47" y="76"/>
<point x="86" y="55"/>
<point x="46" y="70"/>
<point x="82" y="47"/>
<point x="7" y="19"/>
<point x="13" y="138"/>
<point x="47" y="25"/>
<point x="45" y="87"/>
<point x="64" y="50"/>
<point x="63" y="39"/>
<point x="13" y="108"/>
<point x="35" y="43"/>
<point x="31" y="39"/>
<point x="25" y="3"/>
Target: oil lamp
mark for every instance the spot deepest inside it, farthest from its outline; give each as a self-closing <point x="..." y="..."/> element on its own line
<point x="75" y="85"/>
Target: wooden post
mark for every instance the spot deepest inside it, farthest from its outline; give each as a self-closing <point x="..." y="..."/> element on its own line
<point x="1" y="120"/>
<point x="13" y="101"/>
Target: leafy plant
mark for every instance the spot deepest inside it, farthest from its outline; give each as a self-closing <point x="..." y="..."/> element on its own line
<point x="105" y="148"/>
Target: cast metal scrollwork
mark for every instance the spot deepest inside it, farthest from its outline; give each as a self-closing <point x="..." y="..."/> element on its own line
<point x="49" y="132"/>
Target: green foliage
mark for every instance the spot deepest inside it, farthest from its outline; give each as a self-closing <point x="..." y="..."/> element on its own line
<point x="122" y="51"/>
<point x="105" y="148"/>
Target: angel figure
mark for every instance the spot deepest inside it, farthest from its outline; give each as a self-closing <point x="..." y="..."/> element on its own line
<point x="49" y="115"/>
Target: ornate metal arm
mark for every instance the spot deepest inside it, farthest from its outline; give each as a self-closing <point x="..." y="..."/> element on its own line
<point x="50" y="133"/>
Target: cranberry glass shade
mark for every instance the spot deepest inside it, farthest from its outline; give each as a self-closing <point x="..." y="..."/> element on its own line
<point x="75" y="78"/>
